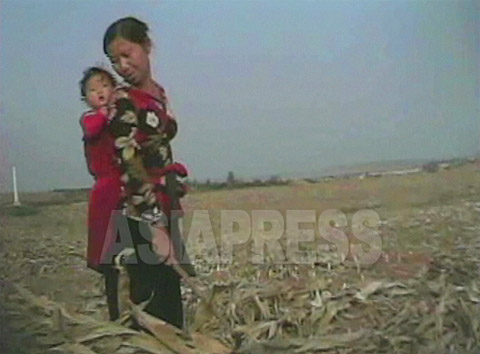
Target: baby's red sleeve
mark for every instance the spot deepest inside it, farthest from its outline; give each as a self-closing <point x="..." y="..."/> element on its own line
<point x="93" y="124"/>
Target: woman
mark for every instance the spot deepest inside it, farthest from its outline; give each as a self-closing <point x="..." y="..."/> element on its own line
<point x="143" y="126"/>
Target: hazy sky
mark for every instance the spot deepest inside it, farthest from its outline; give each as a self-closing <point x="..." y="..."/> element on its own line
<point x="259" y="87"/>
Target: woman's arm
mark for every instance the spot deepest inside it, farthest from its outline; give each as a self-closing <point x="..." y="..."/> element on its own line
<point x="123" y="127"/>
<point x="171" y="124"/>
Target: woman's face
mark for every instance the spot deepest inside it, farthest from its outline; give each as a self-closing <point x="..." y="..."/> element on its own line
<point x="130" y="60"/>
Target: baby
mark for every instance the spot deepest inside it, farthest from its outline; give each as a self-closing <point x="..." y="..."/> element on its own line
<point x="97" y="88"/>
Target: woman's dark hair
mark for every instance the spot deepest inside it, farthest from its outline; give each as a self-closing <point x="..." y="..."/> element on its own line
<point x="91" y="72"/>
<point x="128" y="28"/>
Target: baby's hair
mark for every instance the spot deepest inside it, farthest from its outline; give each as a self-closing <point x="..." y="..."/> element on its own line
<point x="91" y="72"/>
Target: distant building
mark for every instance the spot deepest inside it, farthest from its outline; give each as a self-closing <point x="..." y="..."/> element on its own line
<point x="402" y="172"/>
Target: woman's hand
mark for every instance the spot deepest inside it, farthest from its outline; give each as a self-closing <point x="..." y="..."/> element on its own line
<point x="162" y="245"/>
<point x="176" y="167"/>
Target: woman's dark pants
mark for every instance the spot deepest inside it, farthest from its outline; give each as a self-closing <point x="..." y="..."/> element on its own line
<point x="148" y="279"/>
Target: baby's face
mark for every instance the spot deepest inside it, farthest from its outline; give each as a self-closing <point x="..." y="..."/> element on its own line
<point x="98" y="91"/>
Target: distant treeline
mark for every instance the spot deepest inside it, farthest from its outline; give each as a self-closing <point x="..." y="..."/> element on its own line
<point x="231" y="182"/>
<point x="70" y="190"/>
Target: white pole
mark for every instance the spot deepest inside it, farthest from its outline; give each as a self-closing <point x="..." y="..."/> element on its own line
<point x="16" y="201"/>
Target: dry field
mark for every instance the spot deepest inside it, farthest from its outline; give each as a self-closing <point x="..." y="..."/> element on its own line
<point x="421" y="296"/>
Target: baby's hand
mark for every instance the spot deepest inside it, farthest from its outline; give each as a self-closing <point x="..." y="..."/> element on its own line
<point x="103" y="110"/>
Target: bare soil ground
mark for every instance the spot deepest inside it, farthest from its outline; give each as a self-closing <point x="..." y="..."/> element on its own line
<point x="422" y="295"/>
